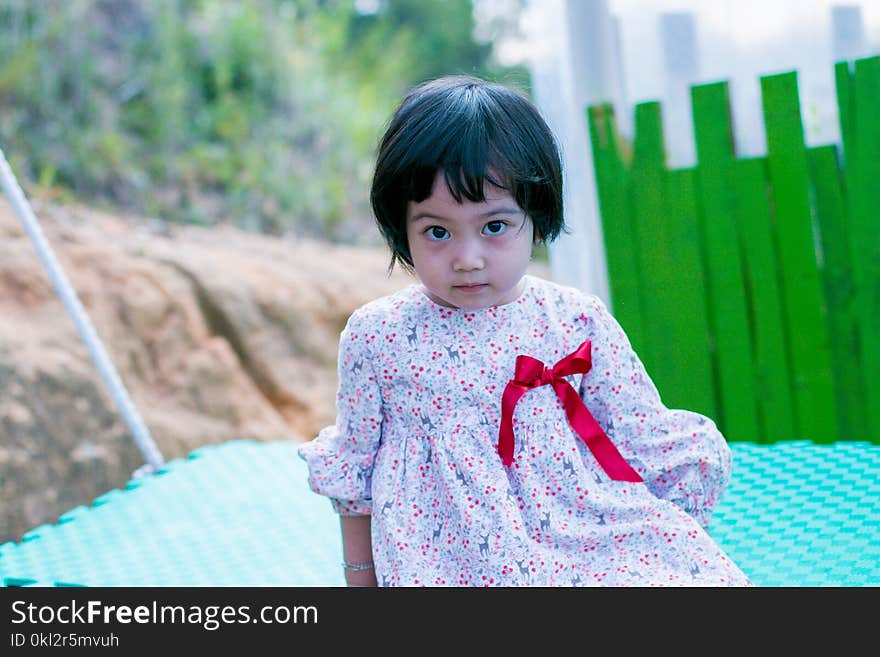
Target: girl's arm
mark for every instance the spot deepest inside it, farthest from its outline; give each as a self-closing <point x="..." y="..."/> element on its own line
<point x="357" y="548"/>
<point x="681" y="455"/>
<point x="340" y="459"/>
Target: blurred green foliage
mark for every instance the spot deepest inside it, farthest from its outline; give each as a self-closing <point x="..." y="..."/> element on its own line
<point x="260" y="113"/>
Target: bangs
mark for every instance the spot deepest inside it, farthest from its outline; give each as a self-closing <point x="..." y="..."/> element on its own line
<point x="467" y="156"/>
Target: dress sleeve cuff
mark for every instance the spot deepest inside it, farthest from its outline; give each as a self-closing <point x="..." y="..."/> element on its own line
<point x="352" y="507"/>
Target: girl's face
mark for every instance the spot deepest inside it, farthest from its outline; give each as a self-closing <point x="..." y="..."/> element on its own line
<point x="469" y="255"/>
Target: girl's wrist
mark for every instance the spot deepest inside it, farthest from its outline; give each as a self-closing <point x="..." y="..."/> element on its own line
<point x="362" y="574"/>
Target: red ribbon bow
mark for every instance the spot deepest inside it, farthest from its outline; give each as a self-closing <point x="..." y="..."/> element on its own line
<point x="532" y="373"/>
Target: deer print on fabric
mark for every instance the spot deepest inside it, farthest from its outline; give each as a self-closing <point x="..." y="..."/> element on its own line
<point x="484" y="544"/>
<point x="453" y="355"/>
<point x="437" y="533"/>
<point x="426" y="422"/>
<point x="412" y="338"/>
<point x="545" y="523"/>
<point x="363" y="473"/>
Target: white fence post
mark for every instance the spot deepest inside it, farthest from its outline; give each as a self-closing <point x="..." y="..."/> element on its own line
<point x="678" y="39"/>
<point x="579" y="65"/>
<point x="847" y="33"/>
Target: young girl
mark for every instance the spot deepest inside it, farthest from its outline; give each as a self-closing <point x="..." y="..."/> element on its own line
<point x="495" y="428"/>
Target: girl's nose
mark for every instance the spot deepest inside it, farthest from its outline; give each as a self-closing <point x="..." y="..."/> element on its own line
<point x="469" y="257"/>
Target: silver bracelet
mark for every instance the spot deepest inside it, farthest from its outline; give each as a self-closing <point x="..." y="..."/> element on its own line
<point x="357" y="566"/>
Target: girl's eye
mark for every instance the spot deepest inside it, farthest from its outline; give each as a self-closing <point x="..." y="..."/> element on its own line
<point x="437" y="233"/>
<point x="494" y="228"/>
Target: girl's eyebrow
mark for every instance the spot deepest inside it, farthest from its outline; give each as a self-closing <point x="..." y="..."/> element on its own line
<point x="505" y="209"/>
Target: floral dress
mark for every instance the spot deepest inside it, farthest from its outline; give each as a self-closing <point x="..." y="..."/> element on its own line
<point x="415" y="444"/>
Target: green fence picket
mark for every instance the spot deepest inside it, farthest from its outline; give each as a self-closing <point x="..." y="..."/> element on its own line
<point x="612" y="184"/>
<point x="691" y="381"/>
<point x="657" y="270"/>
<point x="724" y="281"/>
<point x="837" y="280"/>
<point x="862" y="185"/>
<point x="853" y="214"/>
<point x="806" y="311"/>
<point x="769" y="332"/>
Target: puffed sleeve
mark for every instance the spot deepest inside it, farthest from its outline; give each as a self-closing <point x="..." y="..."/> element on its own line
<point x="681" y="455"/>
<point x="340" y="458"/>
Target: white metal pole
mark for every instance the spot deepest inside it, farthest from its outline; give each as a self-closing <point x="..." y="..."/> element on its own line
<point x="83" y="325"/>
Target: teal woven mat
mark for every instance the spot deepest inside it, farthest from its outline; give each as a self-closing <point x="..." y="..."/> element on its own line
<point x="241" y="514"/>
<point x="800" y="514"/>
<point x="237" y="514"/>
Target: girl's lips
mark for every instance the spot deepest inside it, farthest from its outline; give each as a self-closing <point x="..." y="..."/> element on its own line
<point x="470" y="289"/>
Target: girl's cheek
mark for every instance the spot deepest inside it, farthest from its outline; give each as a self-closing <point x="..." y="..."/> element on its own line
<point x="507" y="239"/>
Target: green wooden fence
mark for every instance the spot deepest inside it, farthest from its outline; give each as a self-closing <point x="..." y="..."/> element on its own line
<point x="751" y="286"/>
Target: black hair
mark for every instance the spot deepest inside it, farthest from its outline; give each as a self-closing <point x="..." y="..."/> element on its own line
<point x="475" y="131"/>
